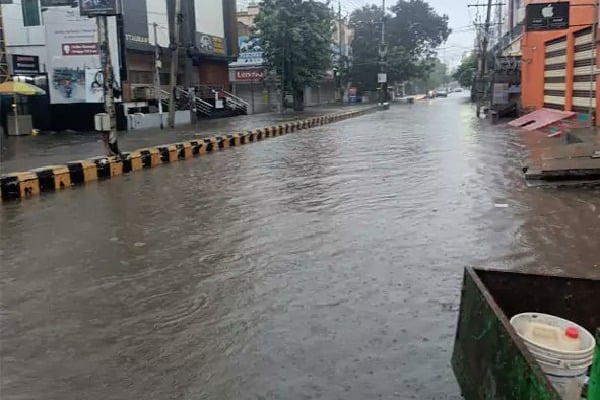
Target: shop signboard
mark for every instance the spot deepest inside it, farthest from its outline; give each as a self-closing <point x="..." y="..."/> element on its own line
<point x="249" y="75"/>
<point x="209" y="44"/>
<point x="547" y="16"/>
<point x="24" y="64"/>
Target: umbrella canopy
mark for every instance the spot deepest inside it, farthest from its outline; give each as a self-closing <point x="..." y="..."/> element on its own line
<point x="12" y="87"/>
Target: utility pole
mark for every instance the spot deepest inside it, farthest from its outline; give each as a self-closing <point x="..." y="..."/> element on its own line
<point x="483" y="56"/>
<point x="157" y="67"/>
<point x="109" y="137"/>
<point x="338" y="76"/>
<point x="175" y="29"/>
<point x="383" y="55"/>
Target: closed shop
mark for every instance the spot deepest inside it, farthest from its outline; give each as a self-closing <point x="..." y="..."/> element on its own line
<point x="555" y="71"/>
<point x="584" y="78"/>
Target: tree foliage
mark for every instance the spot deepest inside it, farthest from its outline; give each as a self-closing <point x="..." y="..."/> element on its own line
<point x="296" y="37"/>
<point x="413" y="33"/>
<point x="465" y="72"/>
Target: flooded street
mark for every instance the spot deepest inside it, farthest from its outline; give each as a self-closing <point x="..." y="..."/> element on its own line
<point x="324" y="264"/>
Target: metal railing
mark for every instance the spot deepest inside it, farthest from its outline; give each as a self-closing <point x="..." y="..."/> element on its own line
<point x="199" y="105"/>
<point x="232" y="101"/>
<point x="236" y="102"/>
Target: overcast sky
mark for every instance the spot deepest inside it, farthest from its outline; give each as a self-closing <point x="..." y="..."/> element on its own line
<point x="461" y="19"/>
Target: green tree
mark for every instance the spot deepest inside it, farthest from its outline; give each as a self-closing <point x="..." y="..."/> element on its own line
<point x="296" y="37"/>
<point x="413" y="33"/>
<point x="465" y="72"/>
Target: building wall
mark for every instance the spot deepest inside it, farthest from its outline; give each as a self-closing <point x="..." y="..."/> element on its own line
<point x="533" y="45"/>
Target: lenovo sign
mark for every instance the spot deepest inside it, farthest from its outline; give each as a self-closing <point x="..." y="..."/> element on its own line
<point x="249" y="75"/>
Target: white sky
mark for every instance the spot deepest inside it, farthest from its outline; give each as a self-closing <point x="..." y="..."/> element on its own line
<point x="461" y="20"/>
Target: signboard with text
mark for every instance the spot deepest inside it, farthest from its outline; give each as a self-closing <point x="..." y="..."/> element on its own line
<point x="24" y="65"/>
<point x="249" y="75"/>
<point x="210" y="44"/>
<point x="547" y="16"/>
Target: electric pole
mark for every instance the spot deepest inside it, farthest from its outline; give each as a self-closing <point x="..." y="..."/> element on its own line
<point x="157" y="67"/>
<point x="175" y="29"/>
<point x="338" y="76"/>
<point x="484" y="57"/>
<point x="109" y="137"/>
<point x="382" y="56"/>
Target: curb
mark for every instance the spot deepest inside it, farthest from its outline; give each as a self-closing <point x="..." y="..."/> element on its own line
<point x="53" y="178"/>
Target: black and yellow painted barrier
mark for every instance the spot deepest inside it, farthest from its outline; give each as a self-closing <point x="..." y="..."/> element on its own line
<point x="24" y="185"/>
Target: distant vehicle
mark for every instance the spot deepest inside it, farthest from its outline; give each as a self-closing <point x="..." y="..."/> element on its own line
<point x="441" y="93"/>
<point x="458" y="90"/>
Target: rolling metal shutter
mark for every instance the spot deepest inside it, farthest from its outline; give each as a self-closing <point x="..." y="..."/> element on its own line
<point x="584" y="78"/>
<point x="555" y="71"/>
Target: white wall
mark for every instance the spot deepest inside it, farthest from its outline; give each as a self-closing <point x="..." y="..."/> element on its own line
<point x="209" y="17"/>
<point x="15" y="33"/>
<point x="157" y="13"/>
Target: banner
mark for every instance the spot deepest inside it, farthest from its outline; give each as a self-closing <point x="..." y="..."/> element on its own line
<point x="72" y="46"/>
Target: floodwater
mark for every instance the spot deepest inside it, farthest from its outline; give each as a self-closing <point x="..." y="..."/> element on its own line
<point x="325" y="264"/>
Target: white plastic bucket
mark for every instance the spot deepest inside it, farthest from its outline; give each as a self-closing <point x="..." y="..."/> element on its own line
<point x="565" y="369"/>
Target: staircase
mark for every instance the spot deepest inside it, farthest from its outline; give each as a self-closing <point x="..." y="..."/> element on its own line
<point x="233" y="105"/>
<point x="204" y="102"/>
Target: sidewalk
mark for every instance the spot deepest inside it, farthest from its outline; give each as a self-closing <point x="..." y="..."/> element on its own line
<point x="568" y="157"/>
<point x="27" y="152"/>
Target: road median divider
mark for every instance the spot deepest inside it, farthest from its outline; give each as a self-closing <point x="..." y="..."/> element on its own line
<point x="52" y="178"/>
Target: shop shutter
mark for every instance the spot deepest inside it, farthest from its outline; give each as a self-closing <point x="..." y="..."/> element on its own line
<point x="584" y="78"/>
<point x="554" y="73"/>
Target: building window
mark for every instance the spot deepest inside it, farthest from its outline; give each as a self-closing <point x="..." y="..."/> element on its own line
<point x="31" y="12"/>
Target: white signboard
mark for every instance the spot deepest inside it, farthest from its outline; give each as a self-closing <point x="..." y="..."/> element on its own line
<point x="72" y="46"/>
<point x="381" y="78"/>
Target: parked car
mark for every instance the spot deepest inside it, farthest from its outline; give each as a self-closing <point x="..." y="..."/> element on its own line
<point x="441" y="93"/>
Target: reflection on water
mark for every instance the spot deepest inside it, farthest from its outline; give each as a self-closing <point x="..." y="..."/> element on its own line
<point x="324" y="264"/>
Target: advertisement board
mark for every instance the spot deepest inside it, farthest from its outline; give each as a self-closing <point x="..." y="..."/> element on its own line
<point x="209" y="44"/>
<point x="92" y="8"/>
<point x="74" y="56"/>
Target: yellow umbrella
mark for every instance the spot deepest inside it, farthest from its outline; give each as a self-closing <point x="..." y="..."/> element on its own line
<point x="15" y="88"/>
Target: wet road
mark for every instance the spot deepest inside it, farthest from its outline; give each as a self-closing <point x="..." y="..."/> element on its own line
<point x="325" y="264"/>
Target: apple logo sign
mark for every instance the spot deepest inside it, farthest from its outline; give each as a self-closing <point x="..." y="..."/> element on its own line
<point x="548" y="11"/>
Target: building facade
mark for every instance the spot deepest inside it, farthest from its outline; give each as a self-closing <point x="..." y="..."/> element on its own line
<point x="253" y="82"/>
<point x="65" y="46"/>
<point x="559" y="66"/>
